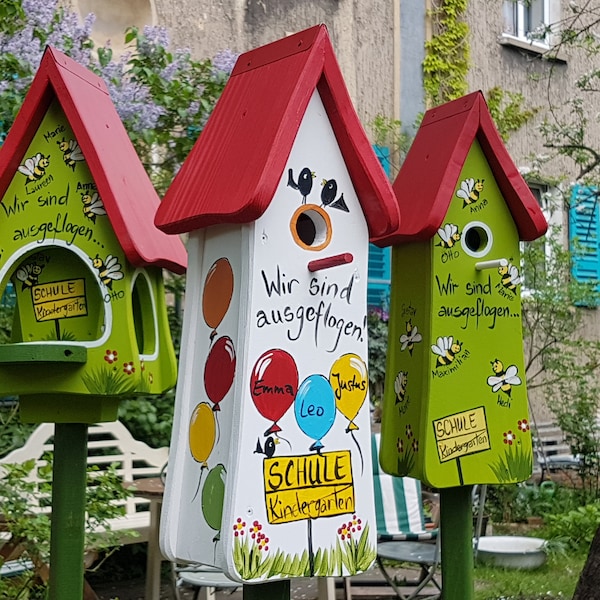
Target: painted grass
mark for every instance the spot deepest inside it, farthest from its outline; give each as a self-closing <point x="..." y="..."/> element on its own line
<point x="253" y="560"/>
<point x="515" y="465"/>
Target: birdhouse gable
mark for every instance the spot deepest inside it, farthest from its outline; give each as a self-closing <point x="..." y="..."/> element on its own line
<point x="434" y="163"/>
<point x="255" y="123"/>
<point x="118" y="174"/>
<point x="80" y="259"/>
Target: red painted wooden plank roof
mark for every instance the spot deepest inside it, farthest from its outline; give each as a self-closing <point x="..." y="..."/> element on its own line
<point x="233" y="170"/>
<point x="427" y="180"/>
<point x="129" y="198"/>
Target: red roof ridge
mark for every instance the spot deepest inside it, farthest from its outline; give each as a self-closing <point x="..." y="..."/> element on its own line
<point x="435" y="160"/>
<point x="253" y="128"/>
<point x="127" y="193"/>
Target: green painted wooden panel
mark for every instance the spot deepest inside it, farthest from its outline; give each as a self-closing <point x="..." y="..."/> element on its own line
<point x="455" y="407"/>
<point x="72" y="282"/>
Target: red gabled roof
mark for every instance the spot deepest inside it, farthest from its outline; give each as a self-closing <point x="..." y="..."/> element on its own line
<point x="233" y="170"/>
<point x="427" y="181"/>
<point x="127" y="193"/>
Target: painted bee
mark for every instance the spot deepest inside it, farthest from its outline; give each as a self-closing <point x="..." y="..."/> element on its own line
<point x="72" y="153"/>
<point x="400" y="384"/>
<point x="469" y="190"/>
<point x="109" y="270"/>
<point x="503" y="379"/>
<point x="446" y="349"/>
<point x="28" y="274"/>
<point x="449" y="235"/>
<point x="92" y="206"/>
<point x="410" y="338"/>
<point x="34" y="168"/>
<point x="510" y="277"/>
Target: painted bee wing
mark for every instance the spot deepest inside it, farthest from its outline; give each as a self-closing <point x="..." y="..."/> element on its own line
<point x="513" y="380"/>
<point x="76" y="153"/>
<point x="462" y="194"/>
<point x="97" y="207"/>
<point x="511" y="371"/>
<point x="437" y="349"/>
<point x="398" y="382"/>
<point x="111" y="261"/>
<point x="442" y="233"/>
<point x="415" y="336"/>
<point x="494" y="380"/>
<point x="24" y="170"/>
<point x="452" y="228"/>
<point x="21" y="273"/>
<point x="116" y="275"/>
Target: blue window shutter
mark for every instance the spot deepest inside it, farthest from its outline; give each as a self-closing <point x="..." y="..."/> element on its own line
<point x="380" y="259"/>
<point x="584" y="230"/>
<point x="378" y="286"/>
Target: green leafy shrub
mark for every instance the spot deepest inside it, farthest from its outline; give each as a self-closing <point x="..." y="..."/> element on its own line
<point x="19" y="495"/>
<point x="575" y="528"/>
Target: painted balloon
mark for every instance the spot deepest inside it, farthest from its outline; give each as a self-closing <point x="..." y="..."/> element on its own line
<point x="219" y="370"/>
<point x="213" y="494"/>
<point x="273" y="385"/>
<point x="349" y="379"/>
<point x="203" y="430"/>
<point x="218" y="290"/>
<point x="314" y="408"/>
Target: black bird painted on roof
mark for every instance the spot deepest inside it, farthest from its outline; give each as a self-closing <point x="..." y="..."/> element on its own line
<point x="328" y="194"/>
<point x="304" y="185"/>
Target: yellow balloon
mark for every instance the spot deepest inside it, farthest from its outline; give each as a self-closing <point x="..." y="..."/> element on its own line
<point x="203" y="430"/>
<point x="349" y="379"/>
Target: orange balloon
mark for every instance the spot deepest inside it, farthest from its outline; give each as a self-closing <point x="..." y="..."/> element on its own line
<point x="203" y="431"/>
<point x="218" y="290"/>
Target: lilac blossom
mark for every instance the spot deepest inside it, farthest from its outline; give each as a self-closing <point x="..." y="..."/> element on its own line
<point x="224" y="61"/>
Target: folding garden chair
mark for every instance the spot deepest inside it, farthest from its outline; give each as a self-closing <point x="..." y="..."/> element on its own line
<point x="402" y="535"/>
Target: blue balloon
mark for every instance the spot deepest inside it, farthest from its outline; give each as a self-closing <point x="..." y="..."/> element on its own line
<point x="314" y="407"/>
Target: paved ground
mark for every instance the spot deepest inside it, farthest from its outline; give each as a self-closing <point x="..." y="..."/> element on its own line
<point x="368" y="585"/>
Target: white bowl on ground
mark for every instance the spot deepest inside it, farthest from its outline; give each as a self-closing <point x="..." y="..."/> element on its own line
<point x="512" y="552"/>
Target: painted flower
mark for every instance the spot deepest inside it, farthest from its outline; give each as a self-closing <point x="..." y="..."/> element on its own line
<point x="509" y="437"/>
<point x="111" y="356"/>
<point x="523" y="425"/>
<point x="254" y="530"/>
<point x="238" y="527"/>
<point x="261" y="542"/>
<point x="415" y="445"/>
<point x="409" y="432"/>
<point x="400" y="445"/>
<point x="128" y="368"/>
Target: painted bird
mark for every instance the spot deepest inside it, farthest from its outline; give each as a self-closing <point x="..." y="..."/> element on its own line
<point x="269" y="449"/>
<point x="304" y="185"/>
<point x="328" y="195"/>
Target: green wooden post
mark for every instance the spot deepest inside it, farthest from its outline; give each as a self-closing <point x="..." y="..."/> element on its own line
<point x="278" y="589"/>
<point x="456" y="529"/>
<point x="68" y="511"/>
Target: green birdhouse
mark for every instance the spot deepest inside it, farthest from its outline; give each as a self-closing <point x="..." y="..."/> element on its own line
<point x="79" y="250"/>
<point x="455" y="408"/>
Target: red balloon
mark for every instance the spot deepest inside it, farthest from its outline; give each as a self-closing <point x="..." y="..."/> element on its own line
<point x="273" y="385"/>
<point x="219" y="370"/>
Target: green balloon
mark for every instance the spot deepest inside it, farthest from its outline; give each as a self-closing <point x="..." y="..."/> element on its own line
<point x="213" y="494"/>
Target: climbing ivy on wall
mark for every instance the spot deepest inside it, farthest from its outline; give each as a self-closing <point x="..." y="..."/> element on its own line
<point x="447" y="53"/>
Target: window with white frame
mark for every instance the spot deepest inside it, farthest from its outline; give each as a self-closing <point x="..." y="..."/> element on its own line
<point x="531" y="21"/>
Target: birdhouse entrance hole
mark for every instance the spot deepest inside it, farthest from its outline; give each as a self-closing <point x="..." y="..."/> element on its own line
<point x="311" y="227"/>
<point x="476" y="239"/>
<point x="144" y="316"/>
<point x="56" y="307"/>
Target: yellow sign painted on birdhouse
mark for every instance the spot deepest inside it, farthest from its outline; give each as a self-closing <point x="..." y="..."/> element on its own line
<point x="59" y="300"/>
<point x="308" y="486"/>
<point x="462" y="434"/>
